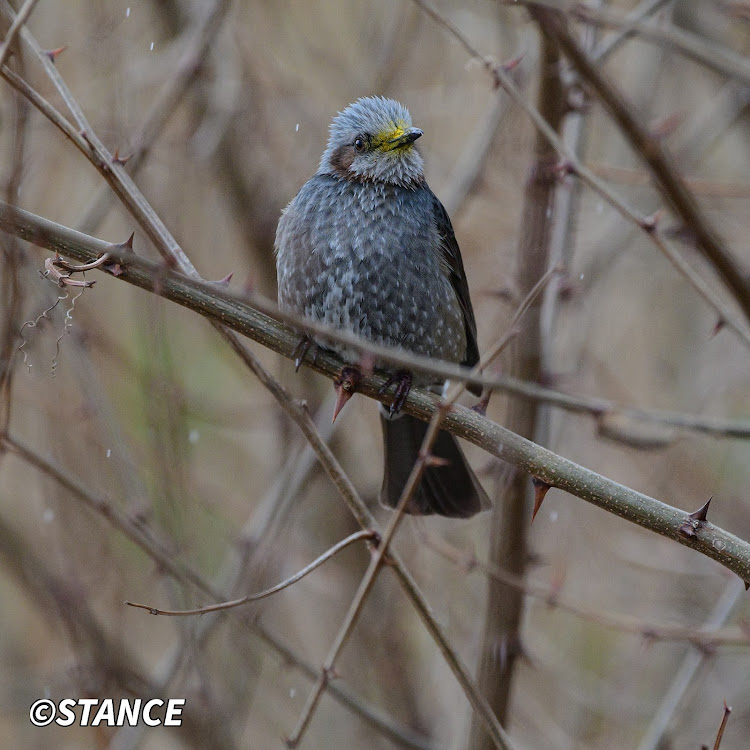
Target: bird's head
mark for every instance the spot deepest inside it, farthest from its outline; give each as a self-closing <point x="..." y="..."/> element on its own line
<point x="372" y="140"/>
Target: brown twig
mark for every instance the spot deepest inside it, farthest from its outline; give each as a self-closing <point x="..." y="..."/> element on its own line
<point x="431" y="624"/>
<point x="173" y="92"/>
<point x="699" y="185"/>
<point x="573" y="165"/>
<point x="684" y="676"/>
<point x="164" y="557"/>
<point x="652" y="151"/>
<point x="713" y="56"/>
<point x="473" y="159"/>
<point x="644" y="9"/>
<point x="113" y="665"/>
<point x="221" y="606"/>
<point x="131" y="197"/>
<point x="723" y="725"/>
<point x="494" y="728"/>
<point x="342" y="482"/>
<point x="20" y="19"/>
<point x="87" y="142"/>
<point x="705" y="637"/>
<point x="509" y="522"/>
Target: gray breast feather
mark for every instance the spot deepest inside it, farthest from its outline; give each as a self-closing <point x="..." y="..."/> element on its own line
<point x="366" y="258"/>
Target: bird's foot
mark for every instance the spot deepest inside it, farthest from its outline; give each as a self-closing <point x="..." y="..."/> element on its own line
<point x="346" y="386"/>
<point x="402" y="379"/>
<point x="305" y="345"/>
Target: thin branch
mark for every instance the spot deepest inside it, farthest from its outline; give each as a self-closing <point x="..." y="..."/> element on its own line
<point x="15" y="27"/>
<point x="473" y="159"/>
<point x="699" y="185"/>
<point x="166" y="103"/>
<point x="111" y="169"/>
<point x="691" y="662"/>
<point x="327" y="555"/>
<point x="644" y="9"/>
<point x="650" y="148"/>
<point x="713" y="56"/>
<point x="716" y="57"/>
<point x="509" y="527"/>
<point x="158" y="551"/>
<point x="705" y="637"/>
<point x="359" y="510"/>
<point x="173" y="254"/>
<point x="152" y="281"/>
<point x="114" y="667"/>
<point x="215" y="303"/>
<point x="573" y="165"/>
<point x="159" y="276"/>
<point x="722" y="726"/>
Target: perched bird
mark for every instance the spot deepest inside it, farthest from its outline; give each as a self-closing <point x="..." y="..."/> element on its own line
<point x="365" y="246"/>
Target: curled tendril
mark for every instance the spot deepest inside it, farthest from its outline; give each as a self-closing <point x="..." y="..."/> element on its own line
<point x="66" y="329"/>
<point x="33" y="324"/>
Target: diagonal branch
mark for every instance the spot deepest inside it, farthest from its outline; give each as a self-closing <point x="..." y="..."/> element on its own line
<point x="218" y="305"/>
<point x="572" y="164"/>
<point x="53" y="236"/>
<point x="15" y="27"/>
<point x="158" y="551"/>
<point x="650" y="148"/>
<point x="132" y="198"/>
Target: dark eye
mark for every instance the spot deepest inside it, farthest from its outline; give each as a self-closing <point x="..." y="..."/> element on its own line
<point x="359" y="144"/>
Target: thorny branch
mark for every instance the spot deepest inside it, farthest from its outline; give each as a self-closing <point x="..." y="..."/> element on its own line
<point x="649" y="147"/>
<point x="216" y="303"/>
<point x="111" y="169"/>
<point x="55" y="237"/>
<point x="571" y="164"/>
<point x="158" y="275"/>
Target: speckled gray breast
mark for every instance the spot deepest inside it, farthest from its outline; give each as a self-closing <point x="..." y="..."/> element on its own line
<point x="365" y="257"/>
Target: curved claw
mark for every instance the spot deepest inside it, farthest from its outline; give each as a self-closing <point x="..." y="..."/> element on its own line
<point x="306" y="344"/>
<point x="403" y="380"/>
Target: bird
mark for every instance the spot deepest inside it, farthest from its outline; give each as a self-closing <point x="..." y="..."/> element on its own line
<point x="366" y="247"/>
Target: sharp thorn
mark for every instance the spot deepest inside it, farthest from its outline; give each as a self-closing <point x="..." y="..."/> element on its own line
<point x="53" y="53"/>
<point x="342" y="396"/>
<point x="481" y="406"/>
<point x="225" y="281"/>
<point x="541" y="488"/>
<point x="346" y="387"/>
<point x="702" y="512"/>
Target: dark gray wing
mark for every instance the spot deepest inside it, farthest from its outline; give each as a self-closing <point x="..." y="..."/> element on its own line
<point x="455" y="270"/>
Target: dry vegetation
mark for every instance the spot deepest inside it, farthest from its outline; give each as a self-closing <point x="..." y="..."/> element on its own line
<point x="203" y="488"/>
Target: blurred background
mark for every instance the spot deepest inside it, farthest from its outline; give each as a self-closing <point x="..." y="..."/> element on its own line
<point x="138" y="403"/>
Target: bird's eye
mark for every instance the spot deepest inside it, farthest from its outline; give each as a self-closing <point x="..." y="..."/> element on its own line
<point x="359" y="144"/>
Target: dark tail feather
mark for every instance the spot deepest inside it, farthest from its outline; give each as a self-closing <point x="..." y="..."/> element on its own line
<point x="451" y="490"/>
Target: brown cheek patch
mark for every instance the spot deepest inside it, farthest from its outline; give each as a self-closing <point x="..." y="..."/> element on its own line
<point x="342" y="159"/>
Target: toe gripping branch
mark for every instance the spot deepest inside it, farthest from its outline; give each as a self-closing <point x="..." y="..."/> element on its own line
<point x="403" y="380"/>
<point x="305" y="345"/>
